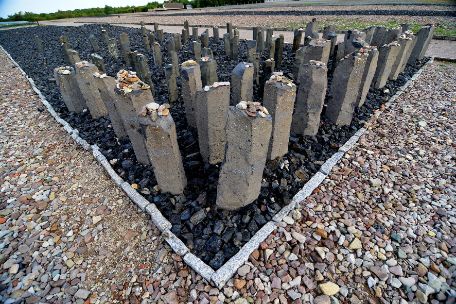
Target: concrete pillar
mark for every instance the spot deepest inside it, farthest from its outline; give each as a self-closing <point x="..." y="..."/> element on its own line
<point x="392" y="35"/>
<point x="143" y="70"/>
<point x="191" y="83"/>
<point x="251" y="49"/>
<point x="229" y="29"/>
<point x="171" y="79"/>
<point x="350" y="37"/>
<point x="406" y="43"/>
<point x="151" y="39"/>
<point x="256" y="67"/>
<point x="386" y="58"/>
<point x="89" y="90"/>
<point x="409" y="51"/>
<point x="248" y="134"/>
<point x="185" y="36"/>
<point x="242" y="83"/>
<point x="38" y="45"/>
<point x="272" y="48"/>
<point x="131" y="96"/>
<point x="99" y="62"/>
<point x="162" y="147"/>
<point x="370" y="31"/>
<point x="423" y="38"/>
<point x="65" y="78"/>
<point x="235" y="45"/>
<point x="196" y="50"/>
<point x="310" y="98"/>
<point x="269" y="33"/>
<point x="170" y="45"/>
<point x="339" y="51"/>
<point x="255" y="33"/>
<point x="279" y="98"/>
<point x="297" y="38"/>
<point x="186" y="26"/>
<point x="317" y="49"/>
<point x="106" y="86"/>
<point x="260" y="40"/>
<point x="345" y="86"/>
<point x="112" y="48"/>
<point x="212" y="104"/>
<point x="160" y="35"/>
<point x="227" y="44"/>
<point x="195" y="33"/>
<point x="311" y="29"/>
<point x="94" y="43"/>
<point x="105" y="36"/>
<point x="158" y="60"/>
<point x="378" y="37"/>
<point x="208" y="71"/>
<point x="125" y="48"/>
<point x="207" y="52"/>
<point x="215" y="33"/>
<point x="368" y="74"/>
<point x="279" y="51"/>
<point x="204" y="39"/>
<point x="174" y="63"/>
<point x="177" y="41"/>
<point x="143" y="28"/>
<point x="156" y="27"/>
<point x="146" y="42"/>
<point x="73" y="56"/>
<point x="329" y="33"/>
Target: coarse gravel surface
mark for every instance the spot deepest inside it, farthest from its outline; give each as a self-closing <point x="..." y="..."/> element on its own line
<point x="390" y="204"/>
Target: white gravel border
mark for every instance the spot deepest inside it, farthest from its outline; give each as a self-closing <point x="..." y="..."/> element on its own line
<point x="224" y="273"/>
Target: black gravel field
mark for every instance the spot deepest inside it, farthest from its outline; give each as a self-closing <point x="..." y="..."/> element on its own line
<point x="212" y="234"/>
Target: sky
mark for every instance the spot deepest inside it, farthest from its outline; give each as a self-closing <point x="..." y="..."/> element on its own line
<point x="9" y="7"/>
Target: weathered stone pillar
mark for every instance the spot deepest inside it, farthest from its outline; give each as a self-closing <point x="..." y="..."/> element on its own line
<point x="131" y="96"/>
<point x="310" y="29"/>
<point x="175" y="63"/>
<point x="94" y="43"/>
<point x="409" y="51"/>
<point x="185" y="36"/>
<point x="386" y="58"/>
<point x="89" y="90"/>
<point x="272" y="48"/>
<point x="196" y="50"/>
<point x="248" y="134"/>
<point x="106" y="86"/>
<point x="378" y="37"/>
<point x="310" y="98"/>
<point x="151" y="39"/>
<point x="195" y="33"/>
<point x="191" y="83"/>
<point x="204" y="39"/>
<point x="229" y="29"/>
<point x="170" y="45"/>
<point x="344" y="89"/>
<point x="317" y="49"/>
<point x="212" y="104"/>
<point x="207" y="52"/>
<point x="143" y="71"/>
<point x="161" y="142"/>
<point x="38" y="45"/>
<point x="297" y="38"/>
<point x="156" y="26"/>
<point x="98" y="61"/>
<point x="269" y="33"/>
<point x="279" y="98"/>
<point x="350" y="37"/>
<point x="159" y="35"/>
<point x="329" y="33"/>
<point x="279" y="51"/>
<point x="177" y="41"/>
<point x="125" y="47"/>
<point x="423" y="38"/>
<point x="112" y="48"/>
<point x="242" y="83"/>
<point x="146" y="42"/>
<point x="406" y="43"/>
<point x="368" y="74"/>
<point x="65" y="78"/>
<point x="251" y="49"/>
<point x="235" y="45"/>
<point x="256" y="66"/>
<point x="227" y="44"/>
<point x="370" y="32"/>
<point x="171" y="79"/>
<point x="260" y="40"/>
<point x="158" y="60"/>
<point x="105" y="36"/>
<point x="186" y="26"/>
<point x="143" y="28"/>
<point x="73" y="56"/>
<point x="392" y="35"/>
<point x="255" y="33"/>
<point x="208" y="71"/>
<point x="215" y="33"/>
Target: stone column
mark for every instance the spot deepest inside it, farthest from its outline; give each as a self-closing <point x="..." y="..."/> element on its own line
<point x="370" y="32"/>
<point x="215" y="32"/>
<point x="310" y="29"/>
<point x="191" y="83"/>
<point x="208" y="71"/>
<point x="255" y="33"/>
<point x="310" y="98"/>
<point x="406" y="44"/>
<point x="242" y="83"/>
<point x="186" y="26"/>
<point x="156" y="27"/>
<point x="175" y="63"/>
<point x="131" y="97"/>
<point x="229" y="29"/>
<point x="158" y="60"/>
<point x="272" y="48"/>
<point x="162" y="148"/>
<point x="317" y="49"/>
<point x="279" y="98"/>
<point x="378" y="37"/>
<point x="112" y="48"/>
<point x="235" y="45"/>
<point x="125" y="47"/>
<point x="227" y="44"/>
<point x="39" y="45"/>
<point x="196" y="50"/>
<point x="207" y="52"/>
<point x="329" y="33"/>
<point x="260" y="40"/>
<point x="106" y="86"/>
<point x="368" y="74"/>
<point x="297" y="38"/>
<point x="170" y="45"/>
<point x="195" y="33"/>
<point x="247" y="145"/>
<point x="251" y="49"/>
<point x="185" y="36"/>
<point x="65" y="78"/>
<point x="143" y="70"/>
<point x="423" y="38"/>
<point x="146" y="42"/>
<point x="204" y="39"/>
<point x="409" y="51"/>
<point x="279" y="51"/>
<point x="94" y="43"/>
<point x="392" y="35"/>
<point x="171" y="79"/>
<point x="177" y="41"/>
<point x="89" y="90"/>
<point x="386" y="58"/>
<point x="105" y="36"/>
<point x="73" y="56"/>
<point x="159" y="35"/>
<point x="351" y="36"/>
<point x="212" y="104"/>
<point x="98" y="61"/>
<point x="269" y="33"/>
<point x="344" y="89"/>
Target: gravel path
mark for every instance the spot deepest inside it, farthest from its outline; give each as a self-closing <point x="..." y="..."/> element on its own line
<point x="381" y="228"/>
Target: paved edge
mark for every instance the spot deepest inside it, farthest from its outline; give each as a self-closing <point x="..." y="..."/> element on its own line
<point x="223" y="274"/>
